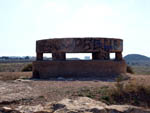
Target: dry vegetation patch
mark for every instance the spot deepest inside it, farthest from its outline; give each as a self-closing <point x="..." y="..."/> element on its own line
<point x="13" y="67"/>
<point x="14" y="75"/>
<point x="135" y="91"/>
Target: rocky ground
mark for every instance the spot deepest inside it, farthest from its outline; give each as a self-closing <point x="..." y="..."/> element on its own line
<point x="29" y="91"/>
<point x="78" y="105"/>
<point x="59" y="96"/>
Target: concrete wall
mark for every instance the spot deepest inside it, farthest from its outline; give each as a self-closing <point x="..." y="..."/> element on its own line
<point x="99" y="47"/>
<point x="79" y="45"/>
<point x="78" y="68"/>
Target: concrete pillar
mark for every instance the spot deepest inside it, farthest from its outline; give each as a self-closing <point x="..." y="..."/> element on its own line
<point x="107" y="56"/>
<point x="100" y="56"/>
<point x="97" y="56"/>
<point x="39" y="56"/>
<point x="58" y="56"/>
<point x="118" y="56"/>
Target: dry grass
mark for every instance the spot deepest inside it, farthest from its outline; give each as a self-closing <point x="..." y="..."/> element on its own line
<point x="14" y="75"/>
<point x="12" y="71"/>
<point x="141" y="70"/>
<point x="134" y="92"/>
<point x="13" y="67"/>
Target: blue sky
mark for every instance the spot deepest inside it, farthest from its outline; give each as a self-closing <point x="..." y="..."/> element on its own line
<point x="22" y="22"/>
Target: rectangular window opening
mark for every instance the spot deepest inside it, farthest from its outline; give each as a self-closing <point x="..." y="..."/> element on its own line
<point x="78" y="56"/>
<point x="47" y="56"/>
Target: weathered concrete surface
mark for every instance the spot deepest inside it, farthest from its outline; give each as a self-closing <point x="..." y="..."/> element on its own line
<point x="79" y="45"/>
<point x="78" y="68"/>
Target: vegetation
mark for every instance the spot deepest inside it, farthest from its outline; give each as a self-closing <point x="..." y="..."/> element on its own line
<point x="28" y="67"/>
<point x="141" y="70"/>
<point x="130" y="70"/>
<point x="14" y="75"/>
<point x="131" y="93"/>
<point x="13" y="67"/>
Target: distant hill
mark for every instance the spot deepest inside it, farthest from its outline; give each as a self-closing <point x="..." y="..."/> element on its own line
<point x="136" y="57"/>
<point x="140" y="64"/>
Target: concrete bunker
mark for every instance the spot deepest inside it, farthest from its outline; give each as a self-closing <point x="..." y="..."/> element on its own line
<point x="100" y="65"/>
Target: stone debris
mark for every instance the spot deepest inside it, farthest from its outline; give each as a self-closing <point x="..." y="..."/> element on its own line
<point x="78" y="105"/>
<point x="29" y="109"/>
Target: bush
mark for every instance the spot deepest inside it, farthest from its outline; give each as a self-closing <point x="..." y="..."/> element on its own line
<point x="131" y="93"/>
<point x="130" y="70"/>
<point x="121" y="92"/>
<point x="28" y="67"/>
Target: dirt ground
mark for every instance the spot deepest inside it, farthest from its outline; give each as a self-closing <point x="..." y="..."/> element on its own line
<point x="35" y="91"/>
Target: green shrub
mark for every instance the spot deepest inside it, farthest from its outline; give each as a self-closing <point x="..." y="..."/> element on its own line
<point x="130" y="70"/>
<point x="28" y="67"/>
